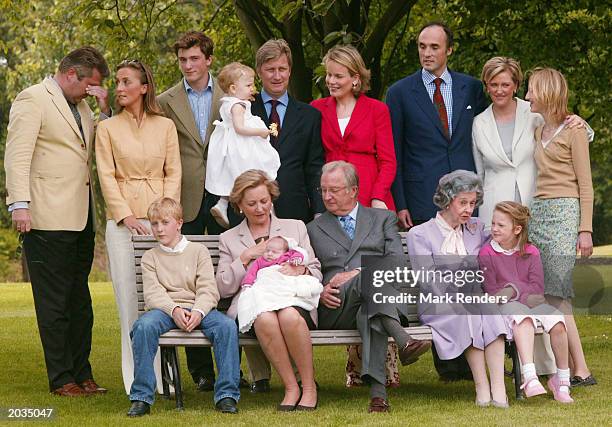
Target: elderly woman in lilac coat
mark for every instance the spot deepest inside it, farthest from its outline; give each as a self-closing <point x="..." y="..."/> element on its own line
<point x="444" y="246"/>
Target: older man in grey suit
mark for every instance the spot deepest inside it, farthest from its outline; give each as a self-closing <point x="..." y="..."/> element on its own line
<point x="340" y="237"/>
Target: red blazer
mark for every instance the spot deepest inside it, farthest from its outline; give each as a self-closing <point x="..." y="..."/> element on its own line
<point x="367" y="144"/>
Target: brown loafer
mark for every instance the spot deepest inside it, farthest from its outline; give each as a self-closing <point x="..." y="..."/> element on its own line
<point x="91" y="387"/>
<point x="378" y="404"/>
<point x="413" y="350"/>
<point x="70" y="390"/>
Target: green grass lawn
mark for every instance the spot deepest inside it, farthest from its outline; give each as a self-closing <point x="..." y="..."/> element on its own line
<point x="421" y="399"/>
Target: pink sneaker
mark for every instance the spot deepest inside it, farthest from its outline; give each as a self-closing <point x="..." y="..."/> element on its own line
<point x="560" y="389"/>
<point x="533" y="387"/>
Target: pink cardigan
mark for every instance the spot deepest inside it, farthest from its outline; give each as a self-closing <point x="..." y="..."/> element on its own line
<point x="291" y="256"/>
<point x="523" y="273"/>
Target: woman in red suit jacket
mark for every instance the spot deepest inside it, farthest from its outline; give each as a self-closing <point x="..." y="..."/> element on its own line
<point x="356" y="128"/>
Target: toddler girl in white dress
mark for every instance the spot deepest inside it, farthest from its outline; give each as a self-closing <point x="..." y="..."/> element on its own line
<point x="241" y="141"/>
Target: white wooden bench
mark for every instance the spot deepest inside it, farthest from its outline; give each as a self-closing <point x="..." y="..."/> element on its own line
<point x="170" y="341"/>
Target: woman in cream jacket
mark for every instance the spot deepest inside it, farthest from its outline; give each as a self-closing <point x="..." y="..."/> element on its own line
<point x="503" y="138"/>
<point x="137" y="155"/>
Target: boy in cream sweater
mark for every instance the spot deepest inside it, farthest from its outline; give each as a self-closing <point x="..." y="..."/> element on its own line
<point x="180" y="292"/>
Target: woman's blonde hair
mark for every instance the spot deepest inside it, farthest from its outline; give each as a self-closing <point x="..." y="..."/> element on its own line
<point x="164" y="208"/>
<point x="350" y="58"/>
<point x="549" y="88"/>
<point x="248" y="180"/>
<point x="519" y="215"/>
<point x="499" y="64"/>
<point x="231" y="73"/>
<point x="151" y="106"/>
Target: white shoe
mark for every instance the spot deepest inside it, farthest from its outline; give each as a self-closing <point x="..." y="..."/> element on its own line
<point x="220" y="215"/>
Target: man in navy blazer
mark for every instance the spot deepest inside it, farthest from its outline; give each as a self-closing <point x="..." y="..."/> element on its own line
<point x="425" y="147"/>
<point x="432" y="139"/>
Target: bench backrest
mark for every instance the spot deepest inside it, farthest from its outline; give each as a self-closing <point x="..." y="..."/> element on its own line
<point x="144" y="243"/>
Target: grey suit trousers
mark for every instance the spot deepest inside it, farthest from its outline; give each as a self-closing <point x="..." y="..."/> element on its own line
<point x="354" y="313"/>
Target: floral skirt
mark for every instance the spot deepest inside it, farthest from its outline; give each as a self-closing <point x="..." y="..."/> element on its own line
<point x="553" y="228"/>
<point x="353" y="366"/>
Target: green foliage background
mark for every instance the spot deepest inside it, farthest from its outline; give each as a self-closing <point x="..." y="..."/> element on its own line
<point x="572" y="36"/>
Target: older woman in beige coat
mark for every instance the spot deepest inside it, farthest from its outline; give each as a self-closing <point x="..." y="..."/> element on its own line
<point x="137" y="155"/>
<point x="283" y="334"/>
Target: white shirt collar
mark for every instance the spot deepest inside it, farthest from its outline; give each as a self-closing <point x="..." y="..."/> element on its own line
<point x="353" y="213"/>
<point x="283" y="99"/>
<point x="179" y="248"/>
<point x="430" y="77"/>
<point x="497" y="248"/>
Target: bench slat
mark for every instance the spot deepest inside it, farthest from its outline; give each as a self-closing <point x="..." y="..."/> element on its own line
<point x="177" y="337"/>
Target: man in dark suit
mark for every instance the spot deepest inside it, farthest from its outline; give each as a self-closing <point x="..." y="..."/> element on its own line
<point x="340" y="237"/>
<point x="193" y="104"/>
<point x="299" y="140"/>
<point x="431" y="115"/>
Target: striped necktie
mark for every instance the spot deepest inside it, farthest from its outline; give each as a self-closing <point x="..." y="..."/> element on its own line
<point x="438" y="101"/>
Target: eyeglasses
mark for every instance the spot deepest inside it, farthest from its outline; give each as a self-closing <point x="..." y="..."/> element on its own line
<point x="332" y="191"/>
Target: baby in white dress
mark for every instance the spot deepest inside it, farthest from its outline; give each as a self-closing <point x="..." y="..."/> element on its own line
<point x="265" y="288"/>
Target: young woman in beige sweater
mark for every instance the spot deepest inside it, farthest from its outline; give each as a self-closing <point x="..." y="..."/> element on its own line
<point x="562" y="207"/>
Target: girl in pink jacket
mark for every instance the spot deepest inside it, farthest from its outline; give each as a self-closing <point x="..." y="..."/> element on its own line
<point x="512" y="268"/>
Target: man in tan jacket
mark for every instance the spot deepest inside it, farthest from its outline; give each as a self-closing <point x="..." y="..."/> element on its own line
<point x="193" y="106"/>
<point x="47" y="162"/>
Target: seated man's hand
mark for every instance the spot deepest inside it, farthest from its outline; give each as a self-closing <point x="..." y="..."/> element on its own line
<point x="328" y="297"/>
<point x="341" y="278"/>
<point x="180" y="317"/>
<point x="194" y="318"/>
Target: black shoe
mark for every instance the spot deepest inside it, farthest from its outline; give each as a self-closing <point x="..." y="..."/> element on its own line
<point x="260" y="386"/>
<point x="577" y="381"/>
<point x="243" y="383"/>
<point x="139" y="408"/>
<point x="205" y="384"/>
<point x="307" y="408"/>
<point x="227" y="405"/>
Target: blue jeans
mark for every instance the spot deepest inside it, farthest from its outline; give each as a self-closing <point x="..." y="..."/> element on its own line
<point x="218" y="328"/>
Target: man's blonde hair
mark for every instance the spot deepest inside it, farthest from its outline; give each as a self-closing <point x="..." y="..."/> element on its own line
<point x="165" y="207"/>
<point x="272" y="49"/>
<point x="549" y="88"/>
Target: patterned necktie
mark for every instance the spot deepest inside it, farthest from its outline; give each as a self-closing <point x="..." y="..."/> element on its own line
<point x="438" y="101"/>
<point x="77" y="118"/>
<point x="274" y="118"/>
<point x="348" y="225"/>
